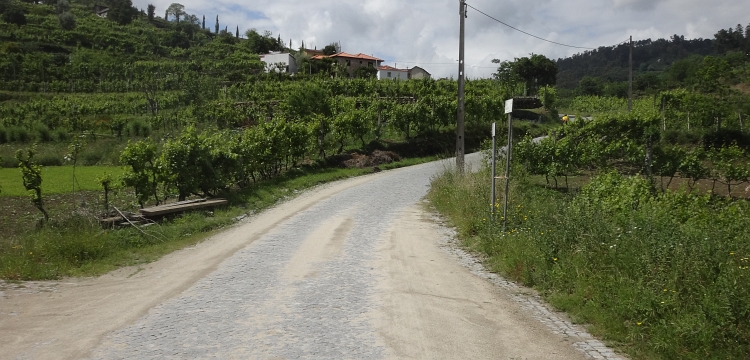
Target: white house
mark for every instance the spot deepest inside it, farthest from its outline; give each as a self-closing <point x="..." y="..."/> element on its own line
<point x="101" y="11"/>
<point x="418" y="73"/>
<point x="386" y="72"/>
<point x="280" y="62"/>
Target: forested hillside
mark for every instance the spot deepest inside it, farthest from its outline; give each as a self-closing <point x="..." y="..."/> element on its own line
<point x="658" y="64"/>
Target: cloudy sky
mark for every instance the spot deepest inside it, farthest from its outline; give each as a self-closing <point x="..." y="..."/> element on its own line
<point x="425" y="32"/>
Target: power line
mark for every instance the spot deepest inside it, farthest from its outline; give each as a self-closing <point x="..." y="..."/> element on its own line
<point x="532" y="35"/>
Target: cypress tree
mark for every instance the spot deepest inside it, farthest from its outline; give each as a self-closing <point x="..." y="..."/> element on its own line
<point x="217" y="24"/>
<point x="237" y="32"/>
<point x="203" y="26"/>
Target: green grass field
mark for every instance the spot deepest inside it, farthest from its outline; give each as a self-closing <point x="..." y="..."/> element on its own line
<point x="57" y="179"/>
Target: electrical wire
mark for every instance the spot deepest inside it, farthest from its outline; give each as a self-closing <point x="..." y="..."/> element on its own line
<point x="532" y="35"/>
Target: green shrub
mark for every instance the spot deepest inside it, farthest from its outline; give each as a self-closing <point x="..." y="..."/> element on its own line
<point x="44" y="134"/>
<point x="19" y="134"/>
<point x="61" y="135"/>
<point x="665" y="274"/>
<point x="90" y="158"/>
<point x="139" y="129"/>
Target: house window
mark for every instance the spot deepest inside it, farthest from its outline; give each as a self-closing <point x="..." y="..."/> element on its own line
<point x="348" y="63"/>
<point x="389" y="74"/>
<point x="360" y="62"/>
<point x="369" y="64"/>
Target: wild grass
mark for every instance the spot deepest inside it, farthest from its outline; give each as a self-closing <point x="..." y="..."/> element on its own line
<point x="661" y="276"/>
<point x="76" y="245"/>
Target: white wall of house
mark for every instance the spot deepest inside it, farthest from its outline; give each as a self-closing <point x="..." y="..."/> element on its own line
<point x="391" y="74"/>
<point x="287" y="62"/>
<point x="418" y="73"/>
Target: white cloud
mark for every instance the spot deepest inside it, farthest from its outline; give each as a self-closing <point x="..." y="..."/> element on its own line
<point x="425" y="32"/>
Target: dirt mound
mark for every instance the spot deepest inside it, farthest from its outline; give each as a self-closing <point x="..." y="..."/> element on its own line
<point x="377" y="157"/>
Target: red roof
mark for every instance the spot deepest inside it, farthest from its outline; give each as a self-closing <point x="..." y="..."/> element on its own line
<point x="390" y="68"/>
<point x="358" y="56"/>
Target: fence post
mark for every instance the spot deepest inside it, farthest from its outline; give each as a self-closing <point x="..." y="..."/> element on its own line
<point x="494" y="160"/>
<point x="508" y="149"/>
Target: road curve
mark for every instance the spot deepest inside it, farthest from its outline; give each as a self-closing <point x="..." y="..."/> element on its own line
<point x="350" y="270"/>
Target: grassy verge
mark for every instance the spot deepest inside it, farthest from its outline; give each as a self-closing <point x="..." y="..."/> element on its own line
<point x="77" y="245"/>
<point x="659" y="276"/>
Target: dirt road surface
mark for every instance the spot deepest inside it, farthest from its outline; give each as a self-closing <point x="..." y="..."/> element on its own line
<point x="356" y="269"/>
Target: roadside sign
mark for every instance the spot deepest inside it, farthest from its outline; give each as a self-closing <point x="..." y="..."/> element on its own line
<point x="508" y="106"/>
<point x="493" y="129"/>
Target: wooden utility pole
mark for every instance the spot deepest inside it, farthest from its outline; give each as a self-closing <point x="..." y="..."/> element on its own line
<point x="630" y="76"/>
<point x="461" y="111"/>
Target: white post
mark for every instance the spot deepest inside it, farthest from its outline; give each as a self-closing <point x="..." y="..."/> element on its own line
<point x="494" y="151"/>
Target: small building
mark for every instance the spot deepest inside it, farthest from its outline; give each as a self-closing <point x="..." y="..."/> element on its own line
<point x="355" y="61"/>
<point x="279" y="62"/>
<point x="313" y="52"/>
<point x="418" y="73"/>
<point x="386" y="72"/>
<point x="101" y="11"/>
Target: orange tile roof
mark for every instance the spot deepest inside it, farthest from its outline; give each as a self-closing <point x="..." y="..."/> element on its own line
<point x="357" y="56"/>
<point x="390" y="68"/>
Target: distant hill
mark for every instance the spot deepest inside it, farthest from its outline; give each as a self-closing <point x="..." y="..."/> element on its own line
<point x="610" y="64"/>
<point x="61" y="46"/>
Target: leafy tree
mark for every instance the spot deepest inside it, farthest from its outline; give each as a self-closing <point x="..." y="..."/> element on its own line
<point x="731" y="40"/>
<point x="14" y="15"/>
<point x="62" y="6"/>
<point x="150" y="11"/>
<point x="121" y="11"/>
<point x="143" y="172"/>
<point x="67" y="20"/>
<point x="262" y="44"/>
<point x="507" y="76"/>
<point x="106" y="181"/>
<point x="536" y="71"/>
<point x="185" y="163"/>
<point x="4" y="5"/>
<point x="32" y="177"/>
<point x="176" y="10"/>
<point x="591" y="86"/>
<point x="332" y="48"/>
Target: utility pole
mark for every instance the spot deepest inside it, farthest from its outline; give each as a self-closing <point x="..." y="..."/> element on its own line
<point x="461" y="111"/>
<point x="630" y="77"/>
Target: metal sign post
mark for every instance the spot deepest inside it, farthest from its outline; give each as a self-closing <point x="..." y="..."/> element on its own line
<point x="494" y="152"/>
<point x="508" y="149"/>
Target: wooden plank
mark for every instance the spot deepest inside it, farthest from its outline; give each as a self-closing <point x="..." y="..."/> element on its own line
<point x="185" y="206"/>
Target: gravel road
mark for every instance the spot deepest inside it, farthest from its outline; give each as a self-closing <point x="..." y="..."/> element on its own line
<point x="355" y="270"/>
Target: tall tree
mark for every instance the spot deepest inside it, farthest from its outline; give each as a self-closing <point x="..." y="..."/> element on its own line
<point x="237" y="32"/>
<point x="14" y="15"/>
<point x="151" y="10"/>
<point x="67" y="20"/>
<point x="177" y="10"/>
<point x="216" y="28"/>
<point x="62" y="6"/>
<point x="121" y="11"/>
<point x="203" y="25"/>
